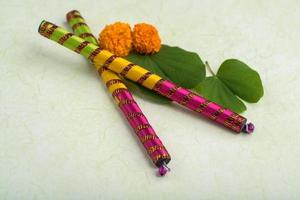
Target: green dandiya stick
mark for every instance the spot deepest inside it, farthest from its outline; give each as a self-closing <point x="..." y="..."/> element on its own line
<point x="185" y="97"/>
<point x="62" y="36"/>
<point x="79" y="26"/>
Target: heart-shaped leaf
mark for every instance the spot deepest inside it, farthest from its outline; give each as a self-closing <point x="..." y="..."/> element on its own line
<point x="214" y="90"/>
<point x="182" y="67"/>
<point x="241" y="80"/>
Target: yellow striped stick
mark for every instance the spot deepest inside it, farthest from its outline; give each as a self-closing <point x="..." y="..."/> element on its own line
<point x="134" y="115"/>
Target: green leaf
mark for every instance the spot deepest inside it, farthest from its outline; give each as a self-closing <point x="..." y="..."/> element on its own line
<point x="214" y="90"/>
<point x="178" y="65"/>
<point x="182" y="67"/>
<point x="241" y="80"/>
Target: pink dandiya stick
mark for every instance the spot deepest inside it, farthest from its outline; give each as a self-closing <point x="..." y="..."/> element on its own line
<point x="185" y="97"/>
<point x="132" y="112"/>
<point x="201" y="105"/>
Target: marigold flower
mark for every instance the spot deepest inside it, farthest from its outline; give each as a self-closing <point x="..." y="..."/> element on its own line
<point x="116" y="38"/>
<point x="145" y="39"/>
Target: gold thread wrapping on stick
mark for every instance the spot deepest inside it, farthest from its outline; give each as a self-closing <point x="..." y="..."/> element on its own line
<point x="144" y="77"/>
<point x="163" y="156"/>
<point x="158" y="84"/>
<point x="94" y="54"/>
<point x="126" y="101"/>
<point x="73" y="14"/>
<point x="64" y="38"/>
<point x="152" y="149"/>
<point x="47" y="32"/>
<point x="112" y="82"/>
<point x="133" y="115"/>
<point x="51" y="30"/>
<point x="75" y="26"/>
<point x="81" y="46"/>
<point x="187" y="98"/>
<point x="116" y="86"/>
<point x="101" y="58"/>
<point x="148" y="137"/>
<point x="217" y="113"/>
<point x="202" y="106"/>
<point x="42" y="28"/>
<point x="141" y="127"/>
<point x="117" y="91"/>
<point x="76" y="16"/>
<point x="84" y="35"/>
<point x="109" y="61"/>
<point x="126" y="69"/>
<point x="135" y="73"/>
<point x="172" y="91"/>
<point x="102" y="69"/>
<point x="151" y="81"/>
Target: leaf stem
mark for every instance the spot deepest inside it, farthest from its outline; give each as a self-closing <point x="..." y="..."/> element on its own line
<point x="209" y="68"/>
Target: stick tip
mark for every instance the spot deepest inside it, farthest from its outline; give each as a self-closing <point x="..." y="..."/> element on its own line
<point x="41" y="24"/>
<point x="248" y="128"/>
<point x="163" y="169"/>
<point x="70" y="14"/>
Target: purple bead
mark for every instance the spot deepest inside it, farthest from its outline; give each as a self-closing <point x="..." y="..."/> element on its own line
<point x="162" y="170"/>
<point x="250" y="128"/>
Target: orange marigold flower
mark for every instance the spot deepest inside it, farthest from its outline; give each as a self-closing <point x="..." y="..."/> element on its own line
<point x="145" y="39"/>
<point x="116" y="38"/>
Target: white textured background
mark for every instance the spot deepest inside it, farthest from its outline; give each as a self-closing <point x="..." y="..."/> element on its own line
<point x="61" y="137"/>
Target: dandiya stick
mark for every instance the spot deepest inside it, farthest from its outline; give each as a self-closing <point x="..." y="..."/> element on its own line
<point x="131" y="71"/>
<point x="122" y="96"/>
